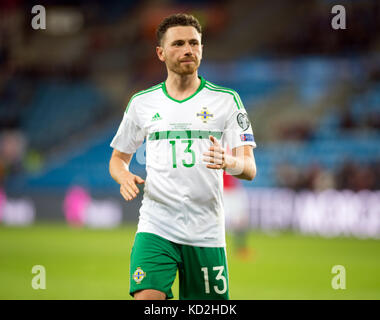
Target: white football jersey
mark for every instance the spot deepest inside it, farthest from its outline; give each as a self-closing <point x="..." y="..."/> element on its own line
<point x="182" y="197"/>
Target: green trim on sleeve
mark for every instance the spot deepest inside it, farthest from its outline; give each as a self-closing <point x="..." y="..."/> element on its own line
<point x="236" y="96"/>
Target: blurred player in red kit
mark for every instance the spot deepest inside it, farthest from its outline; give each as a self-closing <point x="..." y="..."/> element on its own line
<point x="236" y="209"/>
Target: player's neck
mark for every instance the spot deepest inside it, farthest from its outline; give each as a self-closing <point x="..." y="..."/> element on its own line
<point x="181" y="87"/>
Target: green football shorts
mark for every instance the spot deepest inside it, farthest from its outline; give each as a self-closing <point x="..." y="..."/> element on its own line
<point x="155" y="261"/>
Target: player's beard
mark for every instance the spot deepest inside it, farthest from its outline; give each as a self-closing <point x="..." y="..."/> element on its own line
<point x="184" y="68"/>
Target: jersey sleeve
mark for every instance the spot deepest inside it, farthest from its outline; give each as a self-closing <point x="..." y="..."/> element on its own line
<point x="238" y="129"/>
<point x="130" y="134"/>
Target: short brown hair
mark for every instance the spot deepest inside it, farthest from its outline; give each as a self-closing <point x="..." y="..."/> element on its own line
<point x="178" y="19"/>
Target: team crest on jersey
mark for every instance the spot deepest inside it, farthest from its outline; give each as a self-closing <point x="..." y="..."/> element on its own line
<point x="139" y="275"/>
<point x="243" y="121"/>
<point x="204" y="115"/>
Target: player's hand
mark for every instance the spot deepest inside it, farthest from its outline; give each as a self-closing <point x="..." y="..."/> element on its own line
<point x="216" y="156"/>
<point x="128" y="188"/>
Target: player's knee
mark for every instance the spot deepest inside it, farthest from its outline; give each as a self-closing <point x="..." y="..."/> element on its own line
<point x="149" y="294"/>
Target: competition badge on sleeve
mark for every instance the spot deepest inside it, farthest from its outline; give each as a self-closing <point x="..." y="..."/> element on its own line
<point x="246" y="137"/>
<point x="243" y="121"/>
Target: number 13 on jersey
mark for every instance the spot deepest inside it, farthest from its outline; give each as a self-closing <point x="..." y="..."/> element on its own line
<point x="187" y="150"/>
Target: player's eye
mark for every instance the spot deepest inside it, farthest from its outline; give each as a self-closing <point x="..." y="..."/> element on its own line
<point x="178" y="43"/>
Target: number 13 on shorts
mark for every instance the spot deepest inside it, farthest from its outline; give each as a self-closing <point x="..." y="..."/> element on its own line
<point x="220" y="288"/>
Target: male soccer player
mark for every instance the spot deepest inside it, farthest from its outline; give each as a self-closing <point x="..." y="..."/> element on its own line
<point x="186" y="121"/>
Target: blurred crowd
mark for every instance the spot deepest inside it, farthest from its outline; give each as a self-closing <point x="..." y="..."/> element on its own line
<point x="350" y="176"/>
<point x="361" y="33"/>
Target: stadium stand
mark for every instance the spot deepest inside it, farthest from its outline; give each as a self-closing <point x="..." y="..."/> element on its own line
<point x="74" y="105"/>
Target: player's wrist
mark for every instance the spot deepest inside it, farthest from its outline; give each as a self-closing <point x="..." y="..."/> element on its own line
<point x="229" y="162"/>
<point x="125" y="176"/>
<point x="233" y="166"/>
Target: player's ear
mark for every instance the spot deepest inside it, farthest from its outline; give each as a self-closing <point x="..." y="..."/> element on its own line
<point x="160" y="53"/>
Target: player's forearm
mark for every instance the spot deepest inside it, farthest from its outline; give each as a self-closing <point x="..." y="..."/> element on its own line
<point x="249" y="169"/>
<point x="119" y="169"/>
<point x="241" y="167"/>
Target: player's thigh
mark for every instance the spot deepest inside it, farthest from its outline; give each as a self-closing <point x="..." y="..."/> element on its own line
<point x="203" y="274"/>
<point x="153" y="264"/>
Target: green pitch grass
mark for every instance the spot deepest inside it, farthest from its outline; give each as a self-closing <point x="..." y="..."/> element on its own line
<point x="94" y="264"/>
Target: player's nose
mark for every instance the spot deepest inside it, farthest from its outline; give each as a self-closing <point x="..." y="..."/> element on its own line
<point x="188" y="49"/>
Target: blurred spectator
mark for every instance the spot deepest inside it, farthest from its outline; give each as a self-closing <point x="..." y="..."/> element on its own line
<point x="33" y="161"/>
<point x="375" y="169"/>
<point x="312" y="177"/>
<point x="2" y="172"/>
<point x="354" y="177"/>
<point x="345" y="175"/>
<point x="373" y="120"/>
<point x="3" y="200"/>
<point x="287" y="176"/>
<point x="299" y="131"/>
<point x="346" y="120"/>
<point x="325" y="180"/>
<point x="12" y="150"/>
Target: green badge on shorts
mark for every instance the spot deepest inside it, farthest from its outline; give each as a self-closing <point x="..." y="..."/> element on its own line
<point x="139" y="275"/>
